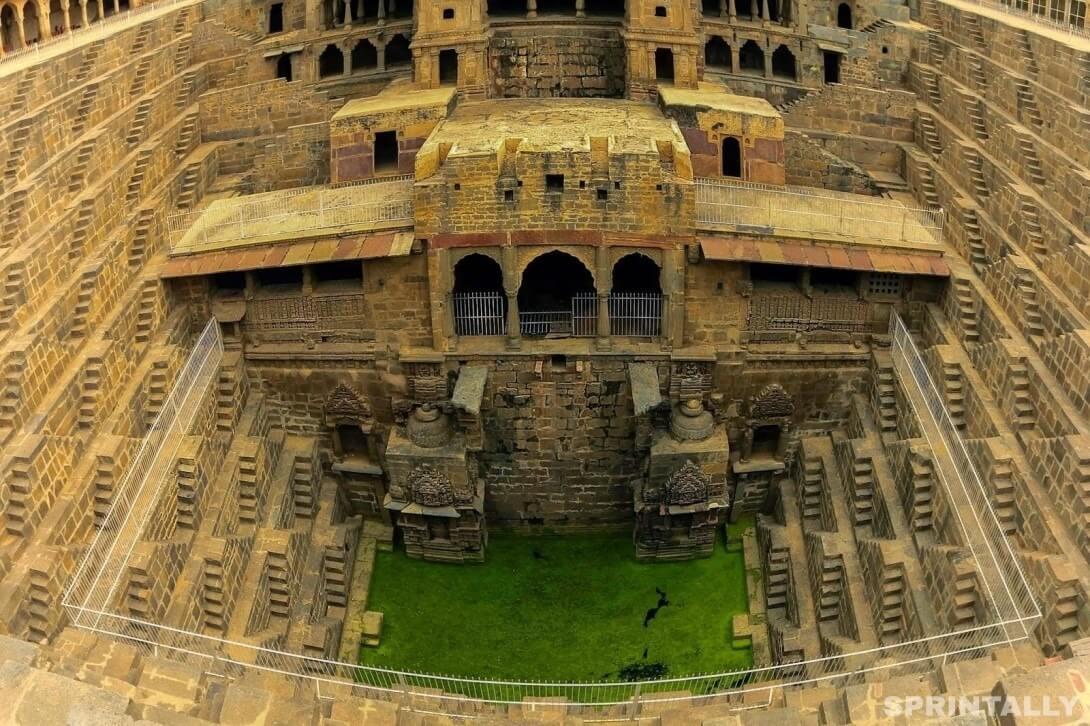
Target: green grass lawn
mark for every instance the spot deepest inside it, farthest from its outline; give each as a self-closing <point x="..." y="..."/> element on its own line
<point x="568" y="608"/>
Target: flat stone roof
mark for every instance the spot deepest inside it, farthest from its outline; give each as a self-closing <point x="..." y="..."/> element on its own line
<point x="713" y="98"/>
<point x="555" y="125"/>
<point x="396" y="97"/>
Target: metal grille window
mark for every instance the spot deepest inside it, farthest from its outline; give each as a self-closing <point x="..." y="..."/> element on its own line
<point x="884" y="283"/>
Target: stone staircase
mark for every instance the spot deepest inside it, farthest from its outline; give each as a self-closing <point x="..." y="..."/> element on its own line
<point x="1030" y="160"/>
<point x="975" y="111"/>
<point x="139" y="122"/>
<point x="17" y="146"/>
<point x="79" y="172"/>
<point x="953" y="391"/>
<point x="139" y="82"/>
<point x="1027" y="104"/>
<point x="965" y="301"/>
<point x="83" y="111"/>
<point x="136" y="181"/>
<point x="978" y="256"/>
<point x="812" y="488"/>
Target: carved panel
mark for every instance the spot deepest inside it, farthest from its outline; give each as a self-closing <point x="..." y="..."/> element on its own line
<point x="772" y="402"/>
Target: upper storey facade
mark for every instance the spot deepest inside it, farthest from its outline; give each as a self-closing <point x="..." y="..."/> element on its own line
<point x="573" y="48"/>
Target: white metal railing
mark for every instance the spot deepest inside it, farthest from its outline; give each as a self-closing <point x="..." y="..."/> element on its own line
<point x="88" y="33"/>
<point x="765" y="209"/>
<point x="1015" y="610"/>
<point x="100" y="572"/>
<point x="1068" y="16"/>
<point x="1009" y="594"/>
<point x="635" y="314"/>
<point x="379" y="204"/>
<point x="579" y="321"/>
<point x="480" y="313"/>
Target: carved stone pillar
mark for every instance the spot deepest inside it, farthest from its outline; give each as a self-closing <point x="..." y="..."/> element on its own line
<point x="346" y="52"/>
<point x="723" y="4"/>
<point x="580" y="8"/>
<point x="509" y="264"/>
<point x="382" y="58"/>
<point x="381" y="12"/>
<point x="19" y="27"/>
<point x="531" y="8"/>
<point x="734" y="53"/>
<point x="603" y="283"/>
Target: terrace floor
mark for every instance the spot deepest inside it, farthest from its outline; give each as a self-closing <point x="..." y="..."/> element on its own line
<point x="569" y="608"/>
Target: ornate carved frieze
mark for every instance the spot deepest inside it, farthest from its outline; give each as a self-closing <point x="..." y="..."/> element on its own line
<point x="773" y="402"/>
<point x="345" y="403"/>
<point x="687" y="486"/>
<point x="691" y="379"/>
<point x="430" y="488"/>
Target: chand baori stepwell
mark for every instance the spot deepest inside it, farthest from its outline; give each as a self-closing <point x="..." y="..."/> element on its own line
<point x="287" y="284"/>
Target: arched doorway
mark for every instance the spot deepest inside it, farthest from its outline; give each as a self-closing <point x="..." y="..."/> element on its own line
<point x="480" y="305"/>
<point x="844" y="16"/>
<point x="330" y="62"/>
<point x="9" y="29"/>
<point x="635" y="300"/>
<point x="557" y="297"/>
<point x="717" y="53"/>
<point x="364" y="56"/>
<point x="732" y="157"/>
<point x="751" y="58"/>
<point x="30" y="23"/>
<point x="636" y="272"/>
<point x="398" y="52"/>
<point x="783" y="63"/>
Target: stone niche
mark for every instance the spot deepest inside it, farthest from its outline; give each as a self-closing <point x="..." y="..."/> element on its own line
<point x="436" y="497"/>
<point x="678" y="504"/>
<point x="351" y="424"/>
<point x="763" y="455"/>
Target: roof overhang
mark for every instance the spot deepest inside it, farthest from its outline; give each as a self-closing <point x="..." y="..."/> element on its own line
<point x="287" y="254"/>
<point x="821" y="254"/>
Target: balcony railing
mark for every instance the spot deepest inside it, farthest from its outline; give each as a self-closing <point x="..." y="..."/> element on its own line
<point x="292" y="213"/>
<point x="794" y="211"/>
<point x="631" y="314"/>
<point x="1068" y="17"/>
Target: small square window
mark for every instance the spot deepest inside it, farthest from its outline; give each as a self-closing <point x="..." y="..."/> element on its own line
<point x="448" y="13"/>
<point x="658" y="187"/>
<point x="603" y="195"/>
<point x="554" y="182"/>
<point x="457" y="187"/>
<point x="616" y="185"/>
<point x="660" y="11"/>
<point x="508" y="195"/>
<point x="582" y="184"/>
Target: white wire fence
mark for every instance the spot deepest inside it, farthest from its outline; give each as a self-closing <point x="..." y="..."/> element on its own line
<point x="480" y="313"/>
<point x="91" y="591"/>
<point x="89" y="600"/>
<point x="765" y="209"/>
<point x="1008" y="592"/>
<point x="385" y="204"/>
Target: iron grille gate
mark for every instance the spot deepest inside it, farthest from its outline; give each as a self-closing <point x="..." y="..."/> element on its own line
<point x="635" y="314"/>
<point x="480" y="313"/>
<point x="579" y="321"/>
